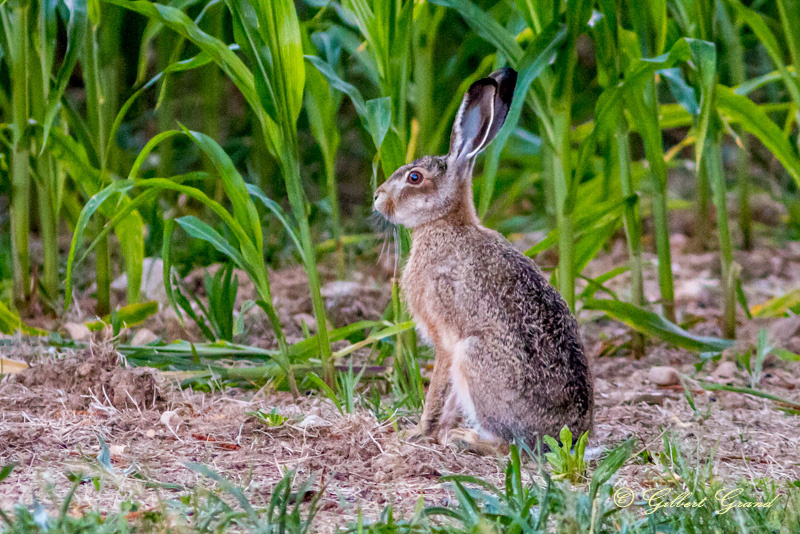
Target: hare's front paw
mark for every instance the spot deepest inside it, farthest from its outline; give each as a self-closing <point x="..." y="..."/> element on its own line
<point x="421" y="432"/>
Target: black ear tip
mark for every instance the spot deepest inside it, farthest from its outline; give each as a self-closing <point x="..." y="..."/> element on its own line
<point x="482" y="83"/>
<point x="506" y="79"/>
<point x="505" y="75"/>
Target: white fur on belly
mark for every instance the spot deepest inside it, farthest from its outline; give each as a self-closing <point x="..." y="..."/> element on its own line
<point x="422" y="330"/>
<point x="459" y="383"/>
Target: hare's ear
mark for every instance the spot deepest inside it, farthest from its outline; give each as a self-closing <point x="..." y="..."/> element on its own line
<point x="481" y="115"/>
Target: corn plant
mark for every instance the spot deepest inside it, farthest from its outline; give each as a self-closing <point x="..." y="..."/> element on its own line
<point x="269" y="34"/>
<point x="16" y="18"/>
<point x="730" y="35"/>
<point x="322" y="105"/>
<point x="650" y="25"/>
<point x="246" y="251"/>
<point x="607" y="35"/>
<point x="387" y="29"/>
<point x="44" y="105"/>
<point x="216" y="321"/>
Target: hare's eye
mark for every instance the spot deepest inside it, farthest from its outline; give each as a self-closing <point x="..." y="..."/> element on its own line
<point x="414" y="178"/>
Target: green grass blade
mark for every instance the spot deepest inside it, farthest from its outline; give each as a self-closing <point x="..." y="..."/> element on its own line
<point x="653" y="325"/>
<point x="244" y="210"/>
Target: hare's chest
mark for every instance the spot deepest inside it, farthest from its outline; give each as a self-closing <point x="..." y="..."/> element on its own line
<point x="431" y="290"/>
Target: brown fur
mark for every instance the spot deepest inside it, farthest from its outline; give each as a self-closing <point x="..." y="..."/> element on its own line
<point x="508" y="352"/>
<point x="526" y="370"/>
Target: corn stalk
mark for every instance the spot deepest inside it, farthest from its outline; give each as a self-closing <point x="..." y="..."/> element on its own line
<point x="15" y="25"/>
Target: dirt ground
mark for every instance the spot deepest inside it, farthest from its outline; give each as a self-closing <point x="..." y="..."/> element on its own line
<point x="54" y="414"/>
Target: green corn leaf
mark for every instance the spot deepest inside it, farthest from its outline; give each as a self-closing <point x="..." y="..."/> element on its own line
<point x="535" y="59"/>
<point x="268" y="32"/>
<point x="747" y="87"/>
<point x="128" y="230"/>
<point x="247" y="34"/>
<point x="200" y="230"/>
<point x="785" y="355"/>
<point x="130" y="235"/>
<point x="244" y="210"/>
<point x="777" y="306"/>
<point x="377" y="336"/>
<point x="704" y="59"/>
<point x="151" y="31"/>
<point x="392" y="151"/>
<point x="280" y="29"/>
<point x="279" y="214"/>
<point x="375" y="114"/>
<point x="11" y="323"/>
<point x="681" y="90"/>
<point x="122" y="213"/>
<point x="654" y="325"/>
<point x="486" y="27"/>
<point x="338" y="83"/>
<point x="166" y="258"/>
<point x="178" y="21"/>
<point x="755" y="120"/>
<point x="183" y="303"/>
<point x="77" y="24"/>
<point x="89" y="209"/>
<point x="770" y="42"/>
<point x="587" y="221"/>
<point x="129" y="315"/>
<point x="151" y="145"/>
<point x="593" y="242"/>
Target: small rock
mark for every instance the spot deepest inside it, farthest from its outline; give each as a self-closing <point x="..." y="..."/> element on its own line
<point x="150" y="433"/>
<point x="724" y="371"/>
<point x="312" y="420"/>
<point x="664" y="376"/>
<point x="143" y="337"/>
<point x="78" y="331"/>
<point x="152" y="286"/>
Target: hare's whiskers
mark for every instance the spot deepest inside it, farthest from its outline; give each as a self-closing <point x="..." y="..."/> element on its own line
<point x="396" y="236"/>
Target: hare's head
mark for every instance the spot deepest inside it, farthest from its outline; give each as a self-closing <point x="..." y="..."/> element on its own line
<point x="433" y="187"/>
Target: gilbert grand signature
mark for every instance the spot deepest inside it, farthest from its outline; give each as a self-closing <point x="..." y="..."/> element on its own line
<point x="666" y="498"/>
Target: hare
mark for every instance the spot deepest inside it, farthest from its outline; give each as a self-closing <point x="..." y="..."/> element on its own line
<point x="508" y="354"/>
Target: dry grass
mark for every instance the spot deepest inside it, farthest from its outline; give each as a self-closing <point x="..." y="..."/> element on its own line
<point x="365" y="464"/>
